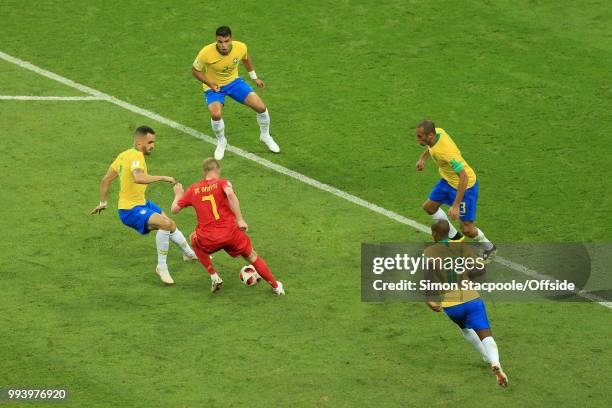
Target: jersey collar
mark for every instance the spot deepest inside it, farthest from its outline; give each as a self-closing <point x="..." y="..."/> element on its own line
<point x="438" y="135"/>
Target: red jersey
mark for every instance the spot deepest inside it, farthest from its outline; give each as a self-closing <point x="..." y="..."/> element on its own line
<point x="211" y="206"/>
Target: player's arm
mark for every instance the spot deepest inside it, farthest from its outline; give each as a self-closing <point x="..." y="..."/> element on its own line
<point x="235" y="206"/>
<point x="248" y="64"/>
<point x="421" y="162"/>
<point x="198" y="70"/>
<point x="108" y="178"/>
<point x="428" y="274"/>
<point x="141" y="178"/>
<point x="453" y="212"/>
<point x="201" y="76"/>
<point x="178" y="194"/>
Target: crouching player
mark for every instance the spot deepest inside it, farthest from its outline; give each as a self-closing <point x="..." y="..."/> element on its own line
<point x="464" y="307"/>
<point x="135" y="211"/>
<point x="220" y="224"/>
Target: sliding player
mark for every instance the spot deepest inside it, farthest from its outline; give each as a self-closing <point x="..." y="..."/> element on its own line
<point x="464" y="307"/>
<point x="135" y="210"/>
<point x="457" y="188"/>
<point x="220" y="224"/>
<point x="216" y="66"/>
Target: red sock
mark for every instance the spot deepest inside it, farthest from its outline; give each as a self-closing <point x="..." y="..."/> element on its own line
<point x="204" y="260"/>
<point x="264" y="272"/>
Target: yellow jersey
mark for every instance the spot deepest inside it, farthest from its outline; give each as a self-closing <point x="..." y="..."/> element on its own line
<point x="131" y="193"/>
<point x="220" y="69"/>
<point x="445" y="250"/>
<point x="448" y="158"/>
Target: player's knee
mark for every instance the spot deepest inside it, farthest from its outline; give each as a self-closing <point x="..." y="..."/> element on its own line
<point x="469" y="230"/>
<point x="216" y="114"/>
<point x="429" y="209"/>
<point x="252" y="256"/>
<point x="169" y="225"/>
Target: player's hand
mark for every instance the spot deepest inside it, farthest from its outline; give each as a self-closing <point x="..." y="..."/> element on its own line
<point x="170" y="180"/>
<point x="214" y="87"/>
<point x="178" y="189"/>
<point x="259" y="83"/>
<point x="243" y="225"/>
<point x="434" y="306"/>
<point x="453" y="212"/>
<point x="420" y="165"/>
<point x="98" y="210"/>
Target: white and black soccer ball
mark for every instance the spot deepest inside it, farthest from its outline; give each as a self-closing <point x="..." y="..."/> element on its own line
<point x="249" y="276"/>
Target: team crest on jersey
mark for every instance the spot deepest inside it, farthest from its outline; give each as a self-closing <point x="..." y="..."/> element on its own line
<point x="235" y="61"/>
<point x="143" y="212"/>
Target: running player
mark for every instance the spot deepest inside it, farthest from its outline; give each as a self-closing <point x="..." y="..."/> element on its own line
<point x="464" y="307"/>
<point x="216" y="66"/>
<point x="457" y="188"/>
<point x="135" y="210"/>
<point x="220" y="224"/>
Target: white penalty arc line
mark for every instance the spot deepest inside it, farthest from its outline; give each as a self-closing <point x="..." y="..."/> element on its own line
<point x="263" y="162"/>
<point x="49" y="98"/>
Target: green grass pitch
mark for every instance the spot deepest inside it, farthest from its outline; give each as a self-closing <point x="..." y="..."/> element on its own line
<point x="522" y="86"/>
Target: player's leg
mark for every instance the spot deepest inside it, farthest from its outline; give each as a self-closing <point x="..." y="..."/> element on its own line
<point x="433" y="208"/>
<point x="442" y="193"/>
<point x="467" y="216"/>
<point x="163" y="225"/>
<point x="261" y="267"/>
<point x="215" y="107"/>
<point x="477" y="319"/>
<point x="179" y="240"/>
<point x="206" y="261"/>
<point x="457" y="314"/>
<point x="243" y="93"/>
<point x="471" y="337"/>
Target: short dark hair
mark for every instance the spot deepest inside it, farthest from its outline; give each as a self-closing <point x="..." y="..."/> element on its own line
<point x="143" y="131"/>
<point x="428" y="126"/>
<point x="223" y="31"/>
<point x="440" y="227"/>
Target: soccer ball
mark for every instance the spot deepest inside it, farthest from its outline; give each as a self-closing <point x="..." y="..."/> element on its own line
<point x="249" y="276"/>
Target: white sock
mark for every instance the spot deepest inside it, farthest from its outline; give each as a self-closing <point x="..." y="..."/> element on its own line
<point x="471" y="336"/>
<point x="214" y="276"/>
<point x="179" y="239"/>
<point x="441" y="215"/>
<point x="485" y="242"/>
<point x="263" y="119"/>
<point x="162" y="240"/>
<point x="491" y="349"/>
<point x="218" y="126"/>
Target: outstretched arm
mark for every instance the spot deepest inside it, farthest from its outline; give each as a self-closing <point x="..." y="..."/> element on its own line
<point x="235" y="206"/>
<point x="141" y="178"/>
<point x="104" y="185"/>
<point x="248" y="64"/>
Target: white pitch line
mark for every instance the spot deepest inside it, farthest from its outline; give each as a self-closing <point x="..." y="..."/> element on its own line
<point x="259" y="160"/>
<point x="49" y="98"/>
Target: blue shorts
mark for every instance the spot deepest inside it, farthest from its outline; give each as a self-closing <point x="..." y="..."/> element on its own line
<point x="444" y="193"/>
<point x="238" y="90"/>
<point x="138" y="217"/>
<point x="470" y="315"/>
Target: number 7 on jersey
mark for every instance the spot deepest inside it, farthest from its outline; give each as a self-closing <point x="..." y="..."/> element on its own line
<point x="213" y="204"/>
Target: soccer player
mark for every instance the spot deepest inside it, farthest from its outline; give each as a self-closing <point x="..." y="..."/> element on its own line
<point x="464" y="307"/>
<point x="216" y="66"/>
<point x="220" y="224"/>
<point x="457" y="188"/>
<point x="135" y="210"/>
